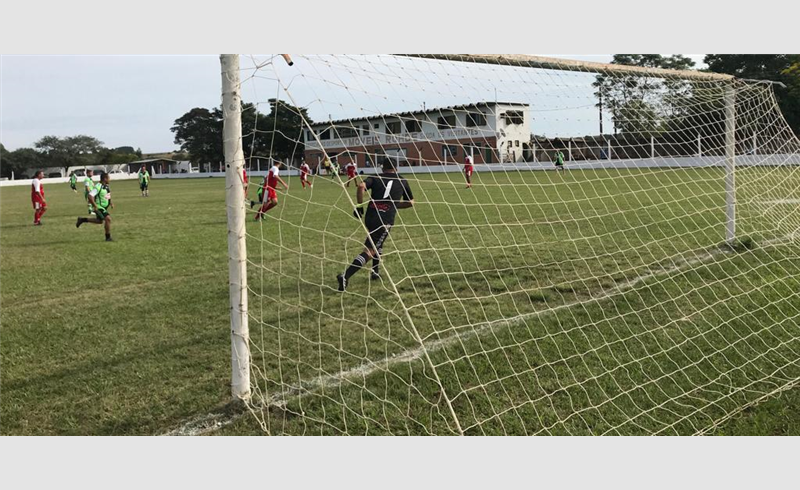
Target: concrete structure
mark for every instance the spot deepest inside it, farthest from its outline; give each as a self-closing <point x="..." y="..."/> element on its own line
<point x="163" y="166"/>
<point x="492" y="132"/>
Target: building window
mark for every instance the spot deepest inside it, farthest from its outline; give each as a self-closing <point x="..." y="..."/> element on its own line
<point x="513" y="117"/>
<point x="365" y="129"/>
<point x="476" y="119"/>
<point x="377" y="126"/>
<point x="516" y="143"/>
<point x="446" y="122"/>
<point x="347" y="132"/>
<point x="449" y="152"/>
<point x="413" y="126"/>
<point x="325" y="135"/>
<point x="393" y="127"/>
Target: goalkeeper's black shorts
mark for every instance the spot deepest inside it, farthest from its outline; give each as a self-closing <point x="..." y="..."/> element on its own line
<point x="378" y="232"/>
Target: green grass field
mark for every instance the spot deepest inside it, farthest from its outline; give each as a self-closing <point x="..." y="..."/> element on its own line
<point x="585" y="303"/>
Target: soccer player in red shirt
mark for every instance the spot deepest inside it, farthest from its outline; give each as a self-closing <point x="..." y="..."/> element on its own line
<point x="468" y="169"/>
<point x="244" y="181"/>
<point x="271" y="197"/>
<point x="351" y="172"/>
<point x="37" y="198"/>
<point x="304" y="171"/>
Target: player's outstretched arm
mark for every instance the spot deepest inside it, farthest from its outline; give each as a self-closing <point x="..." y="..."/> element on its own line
<point x="404" y="204"/>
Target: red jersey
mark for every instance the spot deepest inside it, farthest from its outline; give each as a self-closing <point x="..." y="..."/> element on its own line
<point x="244" y="175"/>
<point x="304" y="169"/>
<point x="468" y="163"/>
<point x="351" y="169"/>
<point x="272" y="177"/>
<point x="37" y="190"/>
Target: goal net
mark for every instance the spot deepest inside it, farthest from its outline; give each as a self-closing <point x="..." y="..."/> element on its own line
<point x="625" y="260"/>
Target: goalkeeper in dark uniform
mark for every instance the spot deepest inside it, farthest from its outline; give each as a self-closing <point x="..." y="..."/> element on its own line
<point x="389" y="192"/>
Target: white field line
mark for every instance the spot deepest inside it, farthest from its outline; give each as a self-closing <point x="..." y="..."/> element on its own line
<point x="211" y="422"/>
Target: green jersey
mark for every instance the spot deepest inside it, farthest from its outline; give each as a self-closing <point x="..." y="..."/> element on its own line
<point x="88" y="185"/>
<point x="102" y="195"/>
<point x="559" y="158"/>
<point x="144" y="177"/>
<point x="73" y="178"/>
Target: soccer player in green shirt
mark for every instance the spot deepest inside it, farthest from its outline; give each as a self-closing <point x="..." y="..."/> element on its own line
<point x="88" y="185"/>
<point x="73" y="179"/>
<point x="100" y="199"/>
<point x="144" y="181"/>
<point x="559" y="160"/>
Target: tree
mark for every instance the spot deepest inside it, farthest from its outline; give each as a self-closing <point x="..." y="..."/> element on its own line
<point x="109" y="157"/>
<point x="199" y="133"/>
<point x="284" y="128"/>
<point x="641" y="104"/>
<point x="277" y="134"/>
<point x="70" y="151"/>
<point x="784" y="68"/>
<point x="21" y="162"/>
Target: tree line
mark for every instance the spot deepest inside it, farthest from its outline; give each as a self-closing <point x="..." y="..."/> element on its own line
<point x="650" y="106"/>
<point x="62" y="153"/>
<point x="277" y="134"/>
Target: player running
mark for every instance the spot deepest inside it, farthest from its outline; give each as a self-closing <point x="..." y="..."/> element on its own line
<point x="73" y="180"/>
<point x="88" y="185"/>
<point x="351" y="172"/>
<point x="37" y="198"/>
<point x="272" y="180"/>
<point x="304" y="171"/>
<point x="245" y="181"/>
<point x="468" y="169"/>
<point x="388" y="193"/>
<point x="100" y="200"/>
<point x="144" y="181"/>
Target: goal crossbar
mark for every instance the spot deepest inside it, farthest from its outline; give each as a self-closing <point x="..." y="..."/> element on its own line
<point x="529" y="61"/>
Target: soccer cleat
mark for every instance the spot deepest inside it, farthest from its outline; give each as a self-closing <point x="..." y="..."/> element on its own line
<point x="374" y="277"/>
<point x="252" y="203"/>
<point x="37" y="223"/>
<point x="342" y="282"/>
<point x="78" y="223"/>
<point x="109" y="239"/>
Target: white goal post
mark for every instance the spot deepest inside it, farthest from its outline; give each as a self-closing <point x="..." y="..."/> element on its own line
<point x="237" y="246"/>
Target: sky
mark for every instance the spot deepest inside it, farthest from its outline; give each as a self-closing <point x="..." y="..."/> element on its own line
<point x="134" y="100"/>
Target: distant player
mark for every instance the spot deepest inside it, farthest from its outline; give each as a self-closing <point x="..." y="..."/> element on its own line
<point x="559" y="160"/>
<point x="37" y="198"/>
<point x="389" y="192"/>
<point x="272" y="181"/>
<point x="334" y="169"/>
<point x="350" y="168"/>
<point x="326" y="165"/>
<point x="245" y="182"/>
<point x="468" y="169"/>
<point x="73" y="180"/>
<point x="305" y="170"/>
<point x="88" y="185"/>
<point x="144" y="181"/>
<point x="100" y="199"/>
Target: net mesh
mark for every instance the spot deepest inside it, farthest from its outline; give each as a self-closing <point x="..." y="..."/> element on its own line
<point x="595" y="297"/>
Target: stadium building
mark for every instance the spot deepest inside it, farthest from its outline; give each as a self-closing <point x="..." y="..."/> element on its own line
<point x="492" y="132"/>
